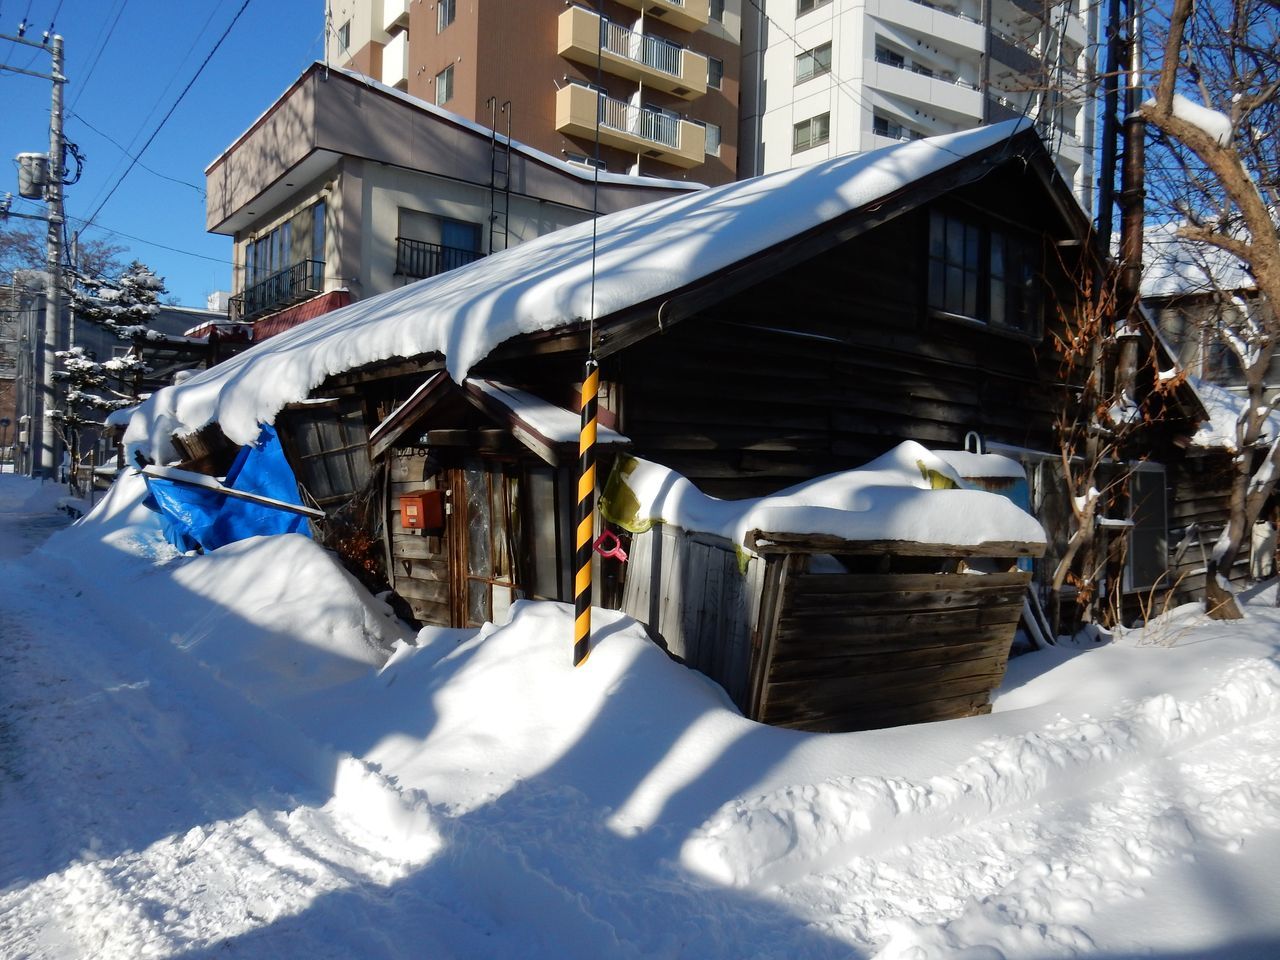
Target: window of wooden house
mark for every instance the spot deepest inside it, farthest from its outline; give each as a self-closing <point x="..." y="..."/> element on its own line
<point x="328" y="447"/>
<point x="984" y="273"/>
<point x="1149" y="537"/>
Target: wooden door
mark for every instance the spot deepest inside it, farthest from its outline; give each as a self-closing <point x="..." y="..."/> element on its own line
<point x="419" y="559"/>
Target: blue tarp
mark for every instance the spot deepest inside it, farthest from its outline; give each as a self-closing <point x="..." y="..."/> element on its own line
<point x="198" y="518"/>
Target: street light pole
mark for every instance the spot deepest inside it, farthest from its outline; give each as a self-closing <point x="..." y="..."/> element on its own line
<point x="53" y="290"/>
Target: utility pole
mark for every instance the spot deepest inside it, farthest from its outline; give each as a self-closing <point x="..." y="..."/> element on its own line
<point x="52" y="338"/>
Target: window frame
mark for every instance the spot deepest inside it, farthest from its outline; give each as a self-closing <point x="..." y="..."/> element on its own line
<point x="810" y="142"/>
<point x="816" y="70"/>
<point x="1140" y="510"/>
<point x="344" y="38"/>
<point x="716" y="11"/>
<point x="444" y="79"/>
<point x="708" y="126"/>
<point x="1021" y="303"/>
<point x="446" y="13"/>
<point x="808" y="6"/>
<point x="715" y="73"/>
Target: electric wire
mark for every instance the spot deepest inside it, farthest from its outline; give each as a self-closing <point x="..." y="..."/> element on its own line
<point x="93" y="63"/>
<point x="123" y="149"/>
<point x="170" y="113"/>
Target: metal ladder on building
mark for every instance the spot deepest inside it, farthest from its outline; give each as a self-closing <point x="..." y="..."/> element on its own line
<point x="499" y="177"/>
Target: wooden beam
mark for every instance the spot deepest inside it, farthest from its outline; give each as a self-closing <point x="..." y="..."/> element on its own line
<point x="188" y="478"/>
<point x="765" y="543"/>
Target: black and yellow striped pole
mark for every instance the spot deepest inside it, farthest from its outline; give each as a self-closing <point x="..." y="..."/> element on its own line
<point x="585" y="515"/>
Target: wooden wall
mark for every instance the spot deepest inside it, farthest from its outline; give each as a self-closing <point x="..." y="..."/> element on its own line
<point x="691" y="594"/>
<point x="824" y="368"/>
<point x="861" y="651"/>
<point x="1200" y="494"/>
<point x="418" y="564"/>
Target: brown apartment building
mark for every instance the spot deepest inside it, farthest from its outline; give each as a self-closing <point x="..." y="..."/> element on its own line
<point x="661" y="76"/>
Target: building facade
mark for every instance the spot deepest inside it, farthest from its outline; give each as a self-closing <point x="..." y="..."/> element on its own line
<point x="345" y="188"/>
<point x="661" y="76"/>
<point x="826" y="77"/>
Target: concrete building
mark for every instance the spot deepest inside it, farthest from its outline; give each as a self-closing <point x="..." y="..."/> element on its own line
<point x="661" y="75"/>
<point x="826" y="77"/>
<point x="345" y="188"/>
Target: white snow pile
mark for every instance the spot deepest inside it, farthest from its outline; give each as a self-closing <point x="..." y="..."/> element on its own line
<point x="549" y="282"/>
<point x="1225" y="409"/>
<point x="908" y="494"/>
<point x="1175" y="266"/>
<point x="196" y="779"/>
<point x="1214" y="123"/>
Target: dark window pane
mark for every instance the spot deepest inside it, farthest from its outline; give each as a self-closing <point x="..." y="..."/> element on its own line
<point x="479" y="560"/>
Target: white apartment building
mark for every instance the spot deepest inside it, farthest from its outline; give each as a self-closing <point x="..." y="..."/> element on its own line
<point x="826" y="77"/>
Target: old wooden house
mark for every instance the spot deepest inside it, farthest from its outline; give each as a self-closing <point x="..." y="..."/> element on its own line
<point x="749" y="337"/>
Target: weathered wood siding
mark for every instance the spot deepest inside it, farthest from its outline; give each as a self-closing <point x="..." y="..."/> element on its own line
<point x="826" y="367"/>
<point x="1199" y="495"/>
<point x="419" y="565"/>
<point x="690" y="593"/>
<point x="857" y="652"/>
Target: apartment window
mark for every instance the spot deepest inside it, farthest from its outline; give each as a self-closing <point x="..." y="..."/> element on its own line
<point x="713" y="139"/>
<point x="884" y="127"/>
<point x="983" y="273"/>
<point x="717" y="11"/>
<point x="715" y="73"/>
<point x="344" y="38"/>
<point x="813" y="63"/>
<point x="804" y="6"/>
<point x="890" y="57"/>
<point x="444" y="85"/>
<point x="446" y="10"/>
<point x="811" y="133"/>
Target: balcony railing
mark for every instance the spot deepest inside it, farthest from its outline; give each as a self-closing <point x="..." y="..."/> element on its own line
<point x="947" y="10"/>
<point x="298" y="282"/>
<point x="419" y="259"/>
<point x="651" y="51"/>
<point x="585" y="112"/>
<point x="586" y="38"/>
<point x="640" y="121"/>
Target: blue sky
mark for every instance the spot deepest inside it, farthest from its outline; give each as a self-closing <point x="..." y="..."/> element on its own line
<point x="153" y="51"/>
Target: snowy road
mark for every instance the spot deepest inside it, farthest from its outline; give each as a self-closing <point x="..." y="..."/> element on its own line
<point x="1124" y="802"/>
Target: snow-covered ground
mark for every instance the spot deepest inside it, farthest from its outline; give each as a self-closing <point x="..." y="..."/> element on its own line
<point x="239" y="755"/>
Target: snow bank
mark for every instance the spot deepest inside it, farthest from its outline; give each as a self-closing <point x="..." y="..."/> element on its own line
<point x="278" y="618"/>
<point x="895" y="497"/>
<point x="549" y="282"/>
<point x="774" y="839"/>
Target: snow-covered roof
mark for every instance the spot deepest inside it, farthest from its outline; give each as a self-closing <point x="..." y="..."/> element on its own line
<point x="896" y="497"/>
<point x="553" y="423"/>
<point x="1224" y="408"/>
<point x="590" y="269"/>
<point x="1175" y="266"/>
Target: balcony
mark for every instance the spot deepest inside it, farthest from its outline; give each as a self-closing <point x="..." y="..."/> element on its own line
<point x="298" y="282"/>
<point x="944" y="93"/>
<point x="395" y="62"/>
<point x="631" y="128"/>
<point x="643" y="59"/>
<point x="419" y="259"/>
<point x="395" y="15"/>
<point x="684" y="14"/>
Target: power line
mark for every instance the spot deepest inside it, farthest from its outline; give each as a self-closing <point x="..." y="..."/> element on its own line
<point x="123" y="149"/>
<point x="98" y="53"/>
<point x="166" y="117"/>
